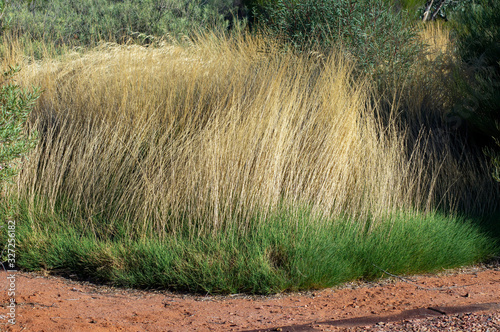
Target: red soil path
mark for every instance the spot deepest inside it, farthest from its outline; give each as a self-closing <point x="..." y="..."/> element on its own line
<point x="50" y="303"/>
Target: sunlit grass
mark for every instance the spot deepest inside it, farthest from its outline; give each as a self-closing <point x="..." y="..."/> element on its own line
<point x="207" y="136"/>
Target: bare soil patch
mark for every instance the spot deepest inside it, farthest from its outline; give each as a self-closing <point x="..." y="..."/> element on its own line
<point x="53" y="303"/>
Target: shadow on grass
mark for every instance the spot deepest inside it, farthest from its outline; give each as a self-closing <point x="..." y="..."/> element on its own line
<point x="490" y="226"/>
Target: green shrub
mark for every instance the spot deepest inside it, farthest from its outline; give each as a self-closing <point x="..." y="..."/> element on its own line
<point x="380" y="38"/>
<point x="477" y="31"/>
<point x="15" y="106"/>
<point x="478" y="35"/>
<point x="85" y="22"/>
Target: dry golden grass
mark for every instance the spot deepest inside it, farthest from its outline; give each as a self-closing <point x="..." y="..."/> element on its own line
<point x="212" y="134"/>
<point x="437" y="37"/>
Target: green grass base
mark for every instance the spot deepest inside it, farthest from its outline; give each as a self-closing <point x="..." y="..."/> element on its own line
<point x="286" y="252"/>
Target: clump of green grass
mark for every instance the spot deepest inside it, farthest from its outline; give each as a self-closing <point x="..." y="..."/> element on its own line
<point x="291" y="250"/>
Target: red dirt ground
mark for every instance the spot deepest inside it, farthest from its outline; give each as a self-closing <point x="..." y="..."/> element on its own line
<point x="50" y="303"/>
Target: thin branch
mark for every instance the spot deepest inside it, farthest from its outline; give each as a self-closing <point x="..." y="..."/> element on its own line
<point x="427" y="10"/>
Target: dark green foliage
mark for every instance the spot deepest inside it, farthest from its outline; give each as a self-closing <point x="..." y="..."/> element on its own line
<point x="478" y="35"/>
<point x="495" y="159"/>
<point x="255" y="8"/>
<point x="478" y="44"/>
<point x="380" y="39"/>
<point x="15" y="106"/>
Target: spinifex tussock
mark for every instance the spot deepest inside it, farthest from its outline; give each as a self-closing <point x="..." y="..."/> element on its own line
<point x="210" y="136"/>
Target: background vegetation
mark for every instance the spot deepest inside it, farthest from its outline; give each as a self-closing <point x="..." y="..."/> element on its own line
<point x="250" y="159"/>
<point x="478" y="46"/>
<point x="369" y="32"/>
<point x="57" y="25"/>
<point x="15" y="107"/>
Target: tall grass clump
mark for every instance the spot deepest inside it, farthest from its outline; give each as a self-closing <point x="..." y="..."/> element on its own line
<point x="208" y="136"/>
<point x="228" y="165"/>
